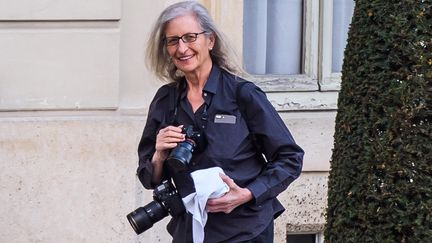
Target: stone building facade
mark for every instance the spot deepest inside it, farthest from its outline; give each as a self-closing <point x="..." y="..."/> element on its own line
<point x="74" y="95"/>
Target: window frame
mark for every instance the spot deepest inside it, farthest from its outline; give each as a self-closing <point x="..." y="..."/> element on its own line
<point x="319" y="236"/>
<point x="308" y="80"/>
<point x="303" y="92"/>
<point x="328" y="81"/>
<point x="317" y="88"/>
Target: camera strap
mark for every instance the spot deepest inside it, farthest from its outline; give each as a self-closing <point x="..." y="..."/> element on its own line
<point x="174" y="100"/>
<point x="174" y="97"/>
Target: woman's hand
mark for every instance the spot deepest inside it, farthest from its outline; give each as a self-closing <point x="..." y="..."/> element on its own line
<point x="166" y="139"/>
<point x="233" y="198"/>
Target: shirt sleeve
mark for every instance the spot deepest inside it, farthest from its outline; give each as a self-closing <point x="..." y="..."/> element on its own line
<point x="146" y="147"/>
<point x="284" y="156"/>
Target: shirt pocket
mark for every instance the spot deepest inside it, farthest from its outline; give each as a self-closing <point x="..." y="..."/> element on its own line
<point x="226" y="139"/>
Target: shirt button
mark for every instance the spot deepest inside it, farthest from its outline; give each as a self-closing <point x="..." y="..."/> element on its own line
<point x="205" y="94"/>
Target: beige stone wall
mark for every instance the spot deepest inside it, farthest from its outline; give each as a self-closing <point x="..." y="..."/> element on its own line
<point x="67" y="179"/>
<point x="74" y="94"/>
<point x="61" y="55"/>
<point x="70" y="178"/>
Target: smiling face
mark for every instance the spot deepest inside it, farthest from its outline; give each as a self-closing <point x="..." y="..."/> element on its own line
<point x="191" y="57"/>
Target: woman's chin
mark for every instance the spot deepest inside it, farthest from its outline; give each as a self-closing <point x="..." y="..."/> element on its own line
<point x="186" y="68"/>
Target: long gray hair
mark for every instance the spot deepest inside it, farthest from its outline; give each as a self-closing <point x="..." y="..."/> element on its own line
<point x="157" y="56"/>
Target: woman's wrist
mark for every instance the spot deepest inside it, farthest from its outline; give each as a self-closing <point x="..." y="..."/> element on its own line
<point x="159" y="157"/>
<point x="157" y="163"/>
<point x="247" y="195"/>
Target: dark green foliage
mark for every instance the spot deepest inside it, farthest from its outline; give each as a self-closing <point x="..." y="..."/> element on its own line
<point x="380" y="183"/>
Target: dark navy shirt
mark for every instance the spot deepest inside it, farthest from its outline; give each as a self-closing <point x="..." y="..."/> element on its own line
<point x="232" y="147"/>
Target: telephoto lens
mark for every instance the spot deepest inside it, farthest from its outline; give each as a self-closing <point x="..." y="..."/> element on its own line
<point x="143" y="218"/>
<point x="166" y="201"/>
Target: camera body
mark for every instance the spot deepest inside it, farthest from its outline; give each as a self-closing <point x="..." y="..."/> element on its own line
<point x="167" y="199"/>
<point x="181" y="155"/>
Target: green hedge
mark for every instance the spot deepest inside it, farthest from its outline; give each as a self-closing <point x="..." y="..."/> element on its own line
<point x="380" y="183"/>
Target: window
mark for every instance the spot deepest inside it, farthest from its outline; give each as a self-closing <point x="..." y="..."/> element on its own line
<point x="296" y="45"/>
<point x="336" y="18"/>
<point x="342" y="14"/>
<point x="301" y="238"/>
<point x="305" y="238"/>
<point x="270" y="45"/>
<point x="282" y="57"/>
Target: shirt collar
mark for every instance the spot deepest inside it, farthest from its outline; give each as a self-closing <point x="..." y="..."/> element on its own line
<point x="210" y="86"/>
<point x="213" y="80"/>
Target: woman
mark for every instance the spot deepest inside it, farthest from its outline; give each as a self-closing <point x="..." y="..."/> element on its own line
<point x="239" y="124"/>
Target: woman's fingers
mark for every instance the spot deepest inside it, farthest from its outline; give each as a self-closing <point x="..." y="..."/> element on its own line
<point x="170" y="129"/>
<point x="168" y="137"/>
<point x="171" y="135"/>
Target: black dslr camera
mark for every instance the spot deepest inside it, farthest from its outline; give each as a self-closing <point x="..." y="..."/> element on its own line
<point x="181" y="155"/>
<point x="167" y="200"/>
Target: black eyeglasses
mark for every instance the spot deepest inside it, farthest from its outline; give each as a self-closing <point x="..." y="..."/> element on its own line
<point x="186" y="38"/>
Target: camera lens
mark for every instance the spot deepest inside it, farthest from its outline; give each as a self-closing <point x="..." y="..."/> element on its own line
<point x="143" y="218"/>
<point x="182" y="154"/>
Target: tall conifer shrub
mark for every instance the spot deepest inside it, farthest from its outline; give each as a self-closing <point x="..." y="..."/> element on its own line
<point x="380" y="183"/>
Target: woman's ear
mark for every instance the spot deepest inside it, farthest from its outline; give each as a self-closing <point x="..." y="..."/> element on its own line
<point x="212" y="39"/>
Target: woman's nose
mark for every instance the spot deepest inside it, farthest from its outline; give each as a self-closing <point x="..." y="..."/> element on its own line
<point x="182" y="47"/>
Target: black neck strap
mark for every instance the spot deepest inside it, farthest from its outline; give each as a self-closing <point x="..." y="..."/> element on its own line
<point x="176" y="97"/>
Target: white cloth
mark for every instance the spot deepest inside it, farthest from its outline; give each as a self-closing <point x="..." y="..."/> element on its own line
<point x="208" y="184"/>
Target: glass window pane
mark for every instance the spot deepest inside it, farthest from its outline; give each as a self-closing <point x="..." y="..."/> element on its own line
<point x="284" y="34"/>
<point x="272" y="41"/>
<point x="255" y="36"/>
<point x="342" y="14"/>
<point x="303" y="238"/>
